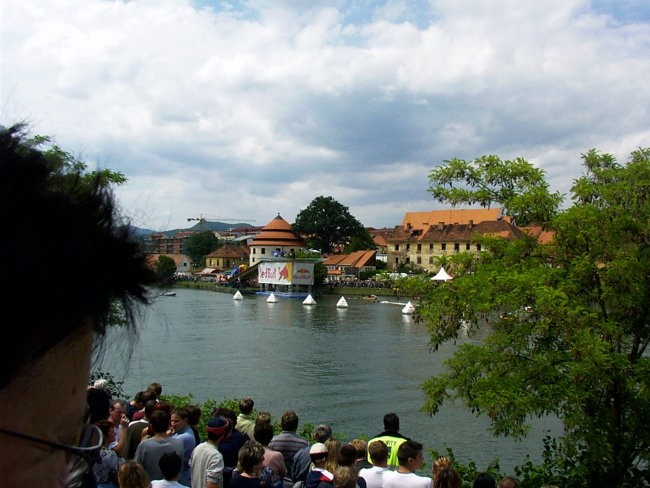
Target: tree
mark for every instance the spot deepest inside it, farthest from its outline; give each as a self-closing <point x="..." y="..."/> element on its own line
<point x="199" y="245"/>
<point x="165" y="268"/>
<point x="361" y="242"/>
<point x="326" y="223"/>
<point x="516" y="185"/>
<point x="568" y="331"/>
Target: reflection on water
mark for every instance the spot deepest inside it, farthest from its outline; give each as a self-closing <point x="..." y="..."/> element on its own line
<point x="347" y="367"/>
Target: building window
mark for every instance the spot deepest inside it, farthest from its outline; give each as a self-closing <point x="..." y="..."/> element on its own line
<point x="419" y="247"/>
<point x="419" y="260"/>
<point x="443" y="246"/>
<point x="254" y="250"/>
<point x="478" y="247"/>
<point x="467" y="246"/>
<point x="408" y="260"/>
<point x="263" y="250"/>
<point x="408" y="247"/>
<point x="397" y="247"/>
<point x="456" y="247"/>
<point x="431" y="247"/>
<point x="396" y="260"/>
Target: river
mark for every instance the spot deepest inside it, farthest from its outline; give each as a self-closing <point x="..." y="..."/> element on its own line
<point x="346" y="367"/>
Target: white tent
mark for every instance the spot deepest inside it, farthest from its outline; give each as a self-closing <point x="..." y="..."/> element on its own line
<point x="442" y="276"/>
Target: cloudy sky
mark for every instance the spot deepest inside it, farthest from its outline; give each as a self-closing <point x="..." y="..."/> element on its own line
<point x="243" y="109"/>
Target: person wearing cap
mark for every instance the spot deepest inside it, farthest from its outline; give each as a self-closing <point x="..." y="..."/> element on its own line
<point x="301" y="460"/>
<point x="206" y="461"/>
<point x="318" y="476"/>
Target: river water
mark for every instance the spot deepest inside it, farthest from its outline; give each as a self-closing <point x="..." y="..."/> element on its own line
<point x="346" y="367"/>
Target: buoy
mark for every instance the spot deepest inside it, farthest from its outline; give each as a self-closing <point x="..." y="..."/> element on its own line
<point x="408" y="309"/>
<point x="272" y="298"/>
<point x="238" y="296"/>
<point x="309" y="300"/>
<point x="342" y="303"/>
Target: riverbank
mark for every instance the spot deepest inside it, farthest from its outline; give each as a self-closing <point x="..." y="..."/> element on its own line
<point x="325" y="290"/>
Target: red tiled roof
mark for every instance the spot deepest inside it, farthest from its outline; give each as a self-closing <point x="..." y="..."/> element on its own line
<point x="278" y="232"/>
<point x="230" y="251"/>
<point x="458" y="232"/>
<point x="356" y="259"/>
<point x="421" y="220"/>
<point x="538" y="232"/>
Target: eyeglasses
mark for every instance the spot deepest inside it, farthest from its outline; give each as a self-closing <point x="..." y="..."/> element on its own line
<point x="84" y="455"/>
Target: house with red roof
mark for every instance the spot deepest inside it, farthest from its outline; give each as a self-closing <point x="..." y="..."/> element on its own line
<point x="423" y="236"/>
<point x="344" y="266"/>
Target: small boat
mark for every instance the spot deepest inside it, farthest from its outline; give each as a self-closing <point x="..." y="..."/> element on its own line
<point x="272" y="298"/>
<point x="370" y="297"/>
<point x="238" y="296"/>
<point x="342" y="303"/>
<point x="408" y="309"/>
<point x="168" y="294"/>
<point x="309" y="300"/>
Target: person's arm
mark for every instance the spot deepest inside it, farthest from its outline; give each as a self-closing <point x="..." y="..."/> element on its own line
<point x="120" y="448"/>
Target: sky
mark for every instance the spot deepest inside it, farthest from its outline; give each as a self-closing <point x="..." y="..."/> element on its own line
<point x="241" y="110"/>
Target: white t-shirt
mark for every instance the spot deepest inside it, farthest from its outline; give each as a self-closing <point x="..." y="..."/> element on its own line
<point x="395" y="479"/>
<point x="374" y="476"/>
<point x="166" y="484"/>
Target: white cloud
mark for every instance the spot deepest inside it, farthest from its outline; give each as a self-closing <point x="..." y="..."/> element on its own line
<point x="256" y="108"/>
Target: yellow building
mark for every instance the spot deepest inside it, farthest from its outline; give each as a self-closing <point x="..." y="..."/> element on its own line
<point x="424" y="236"/>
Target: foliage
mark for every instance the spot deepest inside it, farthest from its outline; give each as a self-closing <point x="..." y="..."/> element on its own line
<point x="115" y="386"/>
<point x="199" y="245"/>
<point x="568" y="331"/>
<point x="165" y="268"/>
<point x="327" y="223"/>
<point x="320" y="273"/>
<point x="361" y="242"/>
<point x="66" y="164"/>
<point x="414" y="286"/>
<point x="514" y="184"/>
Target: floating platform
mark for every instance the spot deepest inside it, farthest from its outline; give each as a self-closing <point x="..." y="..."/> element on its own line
<point x="284" y="294"/>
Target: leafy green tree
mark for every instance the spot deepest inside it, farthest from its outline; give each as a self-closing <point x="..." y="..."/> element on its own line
<point x="199" y="245"/>
<point x="361" y="242"/>
<point x="516" y="185"/>
<point x="567" y="331"/>
<point x="165" y="268"/>
<point x="326" y="223"/>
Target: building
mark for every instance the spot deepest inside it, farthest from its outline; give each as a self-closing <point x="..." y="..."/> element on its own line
<point x="183" y="262"/>
<point x="227" y="257"/>
<point x="161" y="243"/>
<point x="275" y="240"/>
<point x="346" y="266"/>
<point x="424" y="236"/>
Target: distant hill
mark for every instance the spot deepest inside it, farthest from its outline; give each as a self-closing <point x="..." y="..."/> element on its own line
<point x="199" y="226"/>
